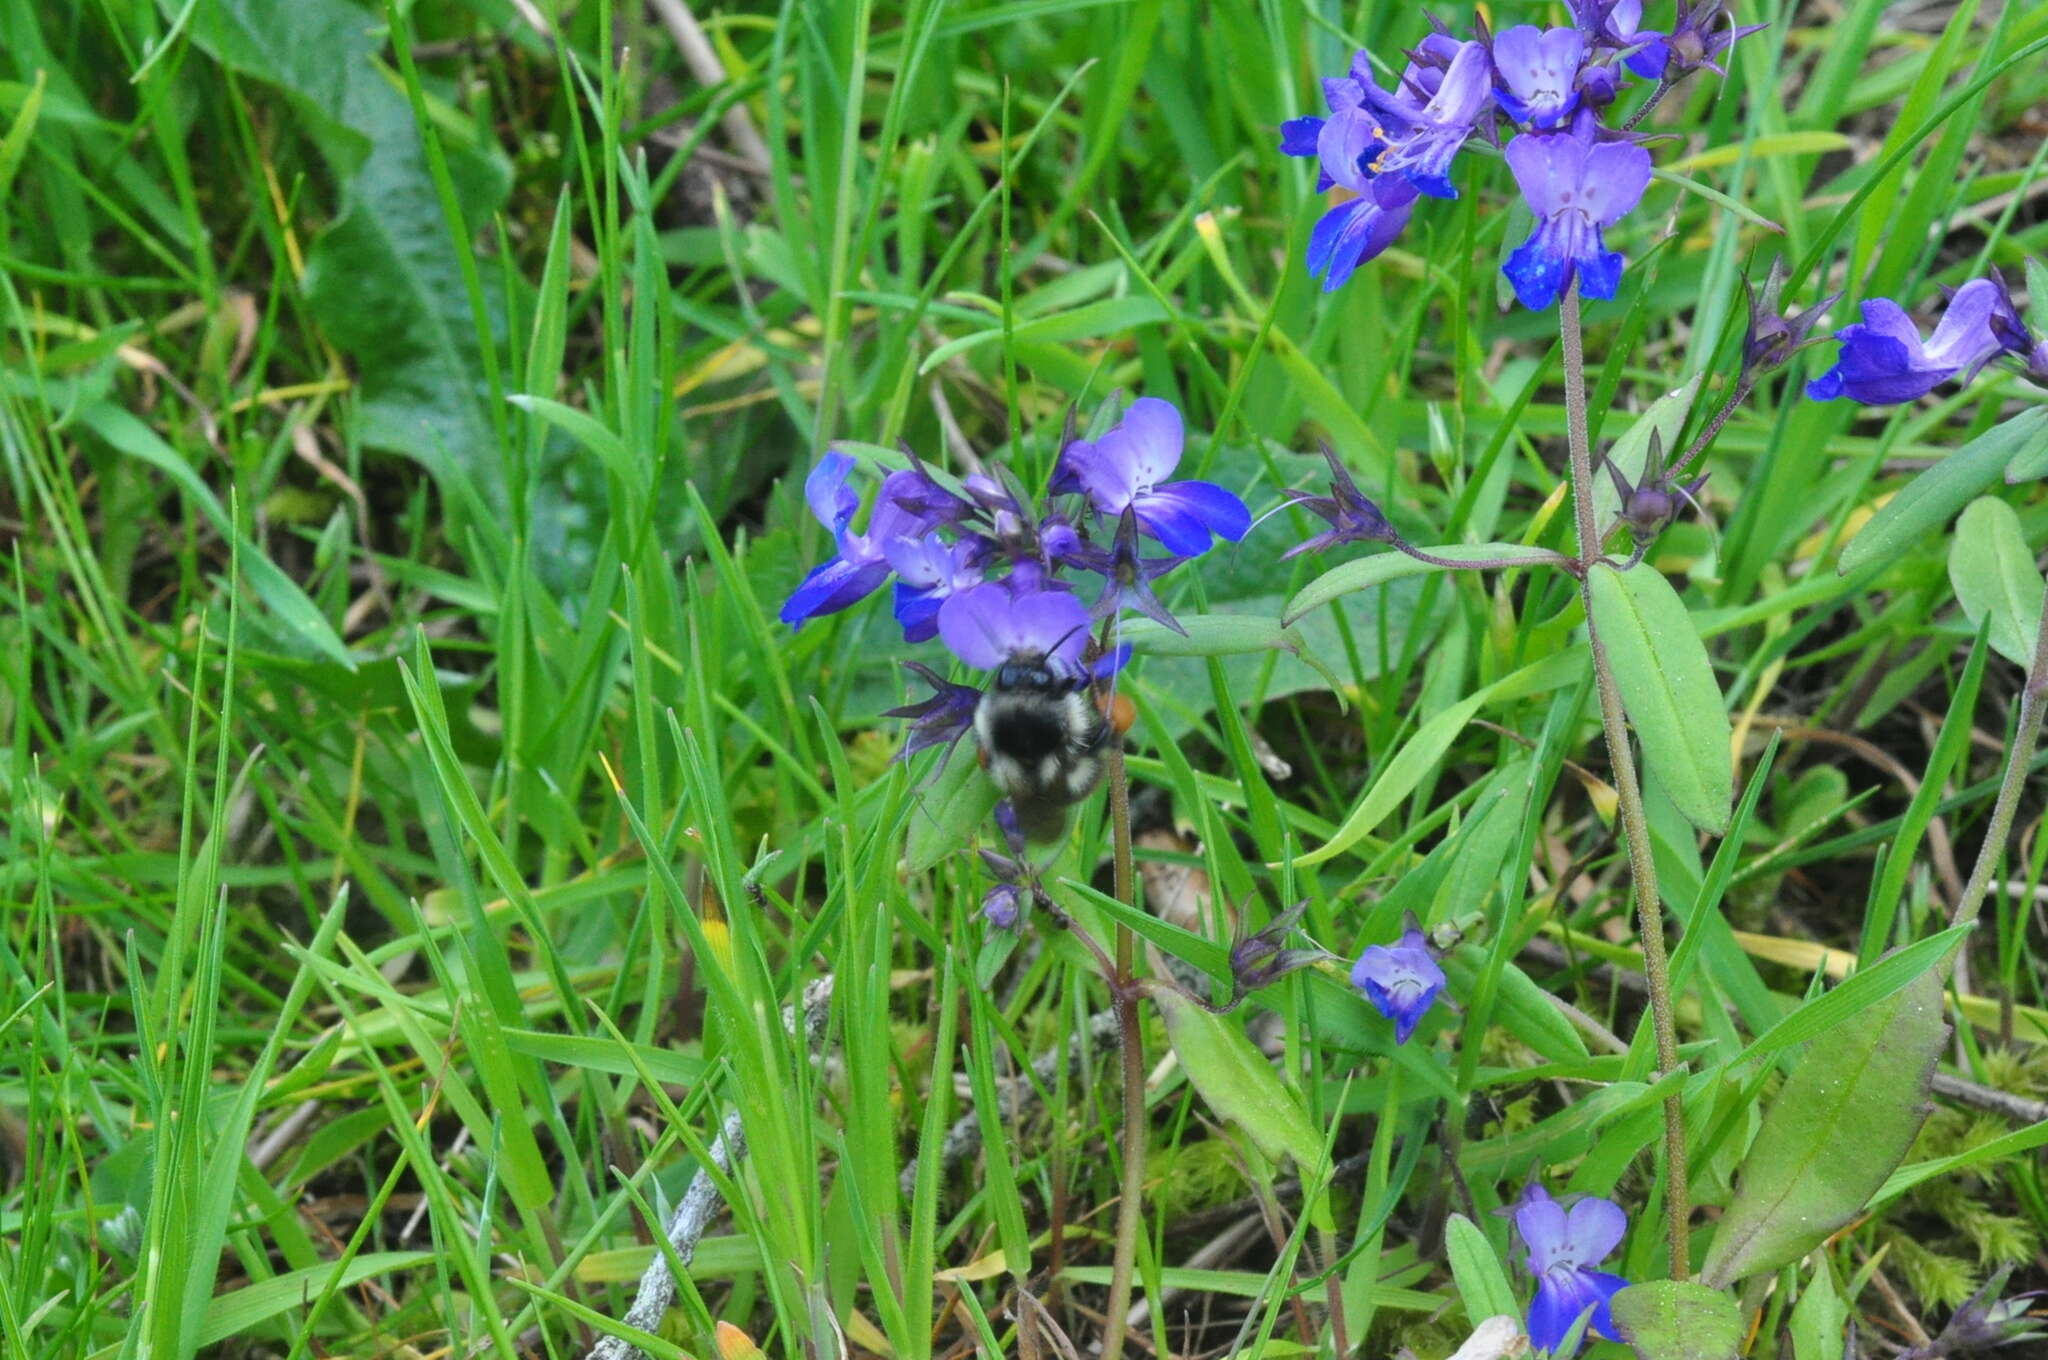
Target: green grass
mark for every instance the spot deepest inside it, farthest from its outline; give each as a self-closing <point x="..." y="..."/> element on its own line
<point x="417" y="822"/>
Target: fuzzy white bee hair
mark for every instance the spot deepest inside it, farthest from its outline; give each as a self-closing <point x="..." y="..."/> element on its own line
<point x="1041" y="738"/>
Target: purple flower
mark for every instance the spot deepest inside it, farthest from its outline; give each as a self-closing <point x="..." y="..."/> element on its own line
<point x="1617" y="24"/>
<point x="1387" y="147"/>
<point x="1539" y="73"/>
<point x="1564" y="1246"/>
<point x="1428" y="138"/>
<point x="940" y="720"/>
<point x="1699" y="36"/>
<point x="1774" y="335"/>
<point x="1401" y="980"/>
<point x="1127" y="469"/>
<point x="1002" y="905"/>
<point x="1128" y="577"/>
<point x="1575" y="187"/>
<point x="987" y="626"/>
<point x="1883" y="361"/>
<point x="927" y="570"/>
<point x="1261" y="958"/>
<point x="1351" y="516"/>
<point x="860" y="566"/>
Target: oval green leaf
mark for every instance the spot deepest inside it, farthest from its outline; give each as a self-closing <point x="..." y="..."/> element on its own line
<point x="1678" y="1320"/>
<point x="1237" y="1082"/>
<point x="1391" y="565"/>
<point x="944" y="817"/>
<point x="1475" y="1268"/>
<point x="1843" y="1120"/>
<point x="1994" y="574"/>
<point x="1929" y="500"/>
<point x="1668" y="688"/>
<point x="1211" y="635"/>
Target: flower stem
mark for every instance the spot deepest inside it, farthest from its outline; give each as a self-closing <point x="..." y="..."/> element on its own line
<point x="2026" y="735"/>
<point x="1131" y="1041"/>
<point x="1635" y="823"/>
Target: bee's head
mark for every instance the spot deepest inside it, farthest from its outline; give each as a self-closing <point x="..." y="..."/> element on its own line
<point x="1029" y="674"/>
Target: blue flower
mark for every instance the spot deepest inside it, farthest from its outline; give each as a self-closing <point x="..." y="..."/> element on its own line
<point x="1883" y="361"/>
<point x="927" y="570"/>
<point x="1576" y="187"/>
<point x="1564" y="1246"/>
<point x="1426" y="139"/>
<point x="1127" y="469"/>
<point x="860" y="566"/>
<point x="1539" y="73"/>
<point x="1401" y="980"/>
<point x="1351" y="233"/>
<point x="1387" y="147"/>
<point x="1617" y="25"/>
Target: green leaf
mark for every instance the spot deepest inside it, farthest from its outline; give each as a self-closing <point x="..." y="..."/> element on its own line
<point x="382" y="278"/>
<point x="1631" y="453"/>
<point x="235" y="1312"/>
<point x="1819" y="1318"/>
<point x="1994" y="574"/>
<point x="1842" y="1121"/>
<point x="1364" y="572"/>
<point x="1928" y="501"/>
<point x="1482" y="1284"/>
<point x="1237" y="1082"/>
<point x="1519" y="1006"/>
<point x="2037" y="293"/>
<point x="1678" y="1320"/>
<point x="280" y="594"/>
<point x="1211" y="635"/>
<point x="945" y="816"/>
<point x="1399" y="776"/>
<point x="1668" y="688"/>
<point x="586" y="430"/>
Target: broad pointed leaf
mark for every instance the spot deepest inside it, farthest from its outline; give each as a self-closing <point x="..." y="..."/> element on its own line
<point x="1842" y="1121"/>
<point x="1668" y="689"/>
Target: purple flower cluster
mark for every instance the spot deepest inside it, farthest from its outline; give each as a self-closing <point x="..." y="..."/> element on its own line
<point x="1883" y="361"/>
<point x="1546" y="88"/>
<point x="996" y="578"/>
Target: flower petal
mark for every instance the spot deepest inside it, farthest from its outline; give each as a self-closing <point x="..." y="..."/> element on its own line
<point x="1209" y="506"/>
<point x="1538" y="71"/>
<point x="1538" y="267"/>
<point x="1346" y="142"/>
<point x="1595" y="1227"/>
<point x="831" y="500"/>
<point x="831" y="586"/>
<point x="917" y="610"/>
<point x="1964" y="339"/>
<point x="1547" y="170"/>
<point x="1612" y="178"/>
<point x="1359" y="237"/>
<point x="1298" y="136"/>
<point x="986" y="626"/>
<point x="1563" y="1296"/>
<point x="1156" y="436"/>
<point x="1541" y="1222"/>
